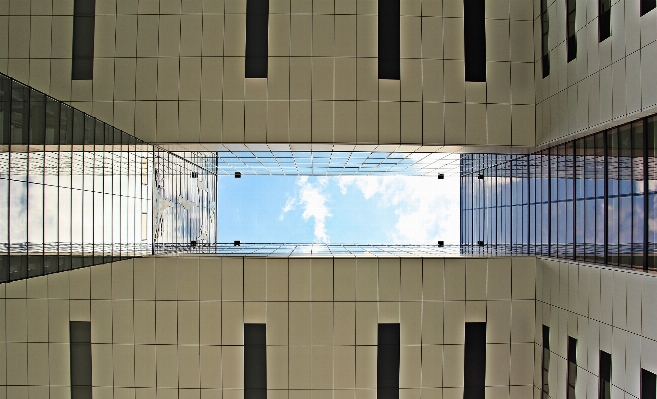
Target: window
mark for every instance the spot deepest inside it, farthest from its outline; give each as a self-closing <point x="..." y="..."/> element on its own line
<point x="474" y="35"/>
<point x="545" y="363"/>
<point x="257" y="37"/>
<point x="80" y="338"/>
<point x="474" y="361"/>
<point x="389" y="42"/>
<point x="255" y="361"/>
<point x="571" y="38"/>
<point x="648" y="385"/>
<point x="604" y="19"/>
<point x="604" y="391"/>
<point x="387" y="362"/>
<point x="572" y="368"/>
<point x="647" y="6"/>
<point x="545" y="29"/>
<point x="84" y="20"/>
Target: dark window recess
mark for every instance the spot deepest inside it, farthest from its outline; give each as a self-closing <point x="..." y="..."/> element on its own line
<point x="648" y="385"/>
<point x="571" y="38"/>
<point x="605" y="376"/>
<point x="572" y="368"/>
<point x="474" y="361"/>
<point x="604" y="19"/>
<point x="257" y="38"/>
<point x="474" y="35"/>
<point x="387" y="362"/>
<point x="84" y="21"/>
<point x="545" y="30"/>
<point x="647" y="6"/>
<point x="255" y="361"/>
<point x="545" y="363"/>
<point x="389" y="42"/>
<point x="80" y="337"/>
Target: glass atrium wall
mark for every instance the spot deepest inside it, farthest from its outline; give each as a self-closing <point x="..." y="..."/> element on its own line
<point x="78" y="192"/>
<point x="593" y="199"/>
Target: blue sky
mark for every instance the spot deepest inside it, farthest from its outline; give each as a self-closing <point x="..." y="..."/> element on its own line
<point x="348" y="209"/>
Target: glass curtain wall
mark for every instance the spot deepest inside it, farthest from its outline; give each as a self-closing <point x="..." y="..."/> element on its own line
<point x="592" y="199"/>
<point x="78" y="192"/>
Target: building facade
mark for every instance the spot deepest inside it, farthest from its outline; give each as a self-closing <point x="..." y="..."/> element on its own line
<point x="114" y="115"/>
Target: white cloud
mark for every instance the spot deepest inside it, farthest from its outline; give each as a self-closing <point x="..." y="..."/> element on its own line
<point x="290" y="204"/>
<point x="313" y="200"/>
<point x="427" y="208"/>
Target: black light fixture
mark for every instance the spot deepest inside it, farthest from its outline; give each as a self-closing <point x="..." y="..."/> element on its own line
<point x="236" y="243"/>
<point x="194" y="175"/>
<point x="441" y="176"/>
<point x="238" y="175"/>
<point x="441" y="243"/>
<point x="480" y="243"/>
<point x="192" y="243"/>
<point x="480" y="176"/>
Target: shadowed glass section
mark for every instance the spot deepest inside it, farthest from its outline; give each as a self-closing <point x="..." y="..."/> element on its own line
<point x="592" y="199"/>
<point x="387" y="361"/>
<point x="79" y="192"/>
<point x="255" y="361"/>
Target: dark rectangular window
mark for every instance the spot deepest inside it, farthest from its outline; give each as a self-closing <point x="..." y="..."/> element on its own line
<point x="474" y="35"/>
<point x="389" y="41"/>
<point x="605" y="376"/>
<point x="545" y="30"/>
<point x="647" y="6"/>
<point x="387" y="362"/>
<point x="474" y="361"/>
<point x="571" y="38"/>
<point x="648" y="385"/>
<point x="572" y="368"/>
<point x="84" y="21"/>
<point x="5" y="110"/>
<point x="80" y="338"/>
<point x="545" y="363"/>
<point x="257" y="38"/>
<point x="255" y="361"/>
<point x="604" y="19"/>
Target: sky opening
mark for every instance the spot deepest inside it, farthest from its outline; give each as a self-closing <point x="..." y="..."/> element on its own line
<point x="338" y="209"/>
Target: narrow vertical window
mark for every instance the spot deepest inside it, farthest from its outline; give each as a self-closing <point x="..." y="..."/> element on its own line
<point x="571" y="38"/>
<point x="255" y="361"/>
<point x="387" y="362"/>
<point x="545" y="362"/>
<point x="604" y="19"/>
<point x="474" y="35"/>
<point x="84" y="21"/>
<point x="257" y="38"/>
<point x="648" y="385"/>
<point x="474" y="361"/>
<point x="80" y="337"/>
<point x="647" y="6"/>
<point x="572" y="368"/>
<point x="604" y="391"/>
<point x="545" y="30"/>
<point x="389" y="41"/>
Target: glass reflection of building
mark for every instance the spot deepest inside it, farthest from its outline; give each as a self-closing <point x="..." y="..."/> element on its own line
<point x="592" y="199"/>
<point x="80" y="192"/>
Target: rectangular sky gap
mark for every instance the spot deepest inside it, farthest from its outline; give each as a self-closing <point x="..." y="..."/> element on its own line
<point x="387" y="362"/>
<point x="257" y="38"/>
<point x="255" y="361"/>
<point x="389" y="39"/>
<point x="474" y="34"/>
<point x="84" y="22"/>
<point x="474" y="361"/>
<point x="80" y="338"/>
